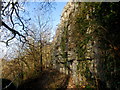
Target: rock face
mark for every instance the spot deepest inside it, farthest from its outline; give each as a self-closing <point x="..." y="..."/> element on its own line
<point x="82" y="45"/>
<point x="64" y="47"/>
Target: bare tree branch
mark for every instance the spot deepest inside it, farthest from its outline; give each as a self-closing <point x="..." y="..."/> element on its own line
<point x="14" y="32"/>
<point x="11" y="15"/>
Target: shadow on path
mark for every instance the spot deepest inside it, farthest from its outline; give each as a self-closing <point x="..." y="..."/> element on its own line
<point x="49" y="78"/>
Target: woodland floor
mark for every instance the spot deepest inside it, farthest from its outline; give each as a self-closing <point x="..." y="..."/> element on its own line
<point x="49" y="79"/>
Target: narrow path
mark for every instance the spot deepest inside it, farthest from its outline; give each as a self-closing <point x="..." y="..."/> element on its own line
<point x="50" y="78"/>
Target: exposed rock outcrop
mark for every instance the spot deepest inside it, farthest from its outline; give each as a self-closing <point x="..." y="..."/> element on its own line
<point x="82" y="45"/>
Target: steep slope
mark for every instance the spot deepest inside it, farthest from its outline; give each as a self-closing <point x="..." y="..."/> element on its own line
<point x="86" y="44"/>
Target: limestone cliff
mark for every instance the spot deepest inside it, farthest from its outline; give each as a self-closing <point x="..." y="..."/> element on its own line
<point x="82" y="43"/>
<point x="64" y="46"/>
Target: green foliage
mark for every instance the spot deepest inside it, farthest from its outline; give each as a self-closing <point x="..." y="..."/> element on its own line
<point x="103" y="20"/>
<point x="63" y="43"/>
<point x="94" y="26"/>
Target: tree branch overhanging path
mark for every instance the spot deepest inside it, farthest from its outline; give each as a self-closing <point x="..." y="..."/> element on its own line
<point x="14" y="32"/>
<point x="10" y="10"/>
<point x="14" y="22"/>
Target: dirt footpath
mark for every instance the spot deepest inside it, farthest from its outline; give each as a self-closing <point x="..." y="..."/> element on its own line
<point x="50" y="79"/>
